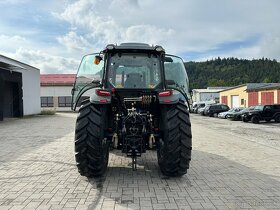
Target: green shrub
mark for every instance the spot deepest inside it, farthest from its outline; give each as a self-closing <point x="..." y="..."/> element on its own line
<point x="48" y="112"/>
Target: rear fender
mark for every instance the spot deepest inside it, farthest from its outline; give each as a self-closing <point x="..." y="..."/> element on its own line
<point x="97" y="99"/>
<point x="173" y="99"/>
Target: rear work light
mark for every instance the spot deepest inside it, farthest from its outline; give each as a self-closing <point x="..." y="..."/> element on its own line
<point x="165" y="93"/>
<point x="102" y="92"/>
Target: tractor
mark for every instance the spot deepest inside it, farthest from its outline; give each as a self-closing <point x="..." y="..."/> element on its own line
<point x="132" y="97"/>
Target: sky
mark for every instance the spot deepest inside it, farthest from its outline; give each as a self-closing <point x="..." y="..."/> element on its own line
<point x="54" y="35"/>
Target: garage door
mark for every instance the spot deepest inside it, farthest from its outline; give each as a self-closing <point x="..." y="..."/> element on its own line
<point x="11" y="104"/>
<point x="252" y="99"/>
<point x="234" y="101"/>
<point x="267" y="98"/>
<point x="224" y="100"/>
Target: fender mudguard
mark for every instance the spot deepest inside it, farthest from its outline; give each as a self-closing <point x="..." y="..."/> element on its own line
<point x="173" y="99"/>
<point x="96" y="99"/>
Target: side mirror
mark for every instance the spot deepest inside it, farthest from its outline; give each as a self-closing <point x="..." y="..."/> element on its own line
<point x="97" y="59"/>
<point x="170" y="82"/>
<point x="168" y="59"/>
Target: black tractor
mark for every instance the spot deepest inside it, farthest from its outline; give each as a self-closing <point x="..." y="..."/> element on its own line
<point x="132" y="97"/>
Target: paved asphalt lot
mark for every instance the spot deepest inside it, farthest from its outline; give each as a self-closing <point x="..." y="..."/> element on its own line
<point x="234" y="165"/>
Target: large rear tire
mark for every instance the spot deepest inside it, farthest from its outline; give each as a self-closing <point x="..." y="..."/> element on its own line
<point x="174" y="150"/>
<point x="91" y="146"/>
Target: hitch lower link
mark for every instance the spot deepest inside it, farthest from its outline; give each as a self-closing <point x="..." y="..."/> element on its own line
<point x="133" y="147"/>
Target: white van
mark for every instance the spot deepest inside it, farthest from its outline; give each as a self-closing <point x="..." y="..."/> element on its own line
<point x="200" y="104"/>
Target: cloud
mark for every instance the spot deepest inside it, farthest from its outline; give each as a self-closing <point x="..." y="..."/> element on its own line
<point x="124" y="5"/>
<point x="267" y="46"/>
<point x="194" y="26"/>
<point x="242" y="53"/>
<point x="45" y="62"/>
<point x="85" y="15"/>
<point x="11" y="2"/>
<point x="195" y="30"/>
<point x="74" y="42"/>
<point x="28" y="53"/>
<point x="147" y="33"/>
<point x="9" y="43"/>
<point x="270" y="45"/>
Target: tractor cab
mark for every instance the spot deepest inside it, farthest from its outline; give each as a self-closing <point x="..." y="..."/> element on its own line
<point x="130" y="67"/>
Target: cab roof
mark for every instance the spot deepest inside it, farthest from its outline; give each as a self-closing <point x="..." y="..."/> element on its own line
<point x="135" y="46"/>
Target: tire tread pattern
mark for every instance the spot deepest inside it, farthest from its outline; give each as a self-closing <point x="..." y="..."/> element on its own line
<point x="91" y="156"/>
<point x="175" y="156"/>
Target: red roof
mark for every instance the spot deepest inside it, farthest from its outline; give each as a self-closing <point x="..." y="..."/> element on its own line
<point x="57" y="79"/>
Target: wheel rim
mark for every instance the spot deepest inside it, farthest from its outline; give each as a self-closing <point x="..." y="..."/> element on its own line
<point x="255" y="119"/>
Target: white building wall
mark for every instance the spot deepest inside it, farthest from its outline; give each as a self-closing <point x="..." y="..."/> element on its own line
<point x="30" y="85"/>
<point x="208" y="96"/>
<point x="204" y="96"/>
<point x="56" y="90"/>
<point x="31" y="90"/>
<point x="195" y="96"/>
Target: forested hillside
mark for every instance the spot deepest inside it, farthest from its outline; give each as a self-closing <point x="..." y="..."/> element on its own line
<point x="231" y="72"/>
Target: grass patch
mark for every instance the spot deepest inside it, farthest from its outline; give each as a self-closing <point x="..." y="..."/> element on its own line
<point x="48" y="112"/>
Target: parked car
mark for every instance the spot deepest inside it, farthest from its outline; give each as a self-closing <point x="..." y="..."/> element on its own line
<point x="195" y="107"/>
<point x="263" y="113"/>
<point x="237" y="115"/>
<point x="224" y="115"/>
<point x="201" y="110"/>
<point x="200" y="104"/>
<point x="214" y="109"/>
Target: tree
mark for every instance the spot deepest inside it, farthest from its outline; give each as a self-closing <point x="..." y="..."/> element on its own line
<point x="232" y="71"/>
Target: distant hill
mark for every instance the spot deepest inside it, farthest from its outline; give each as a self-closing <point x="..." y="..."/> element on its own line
<point x="232" y="71"/>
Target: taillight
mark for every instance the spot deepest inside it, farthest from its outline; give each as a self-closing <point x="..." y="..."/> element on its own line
<point x="102" y="92"/>
<point x="165" y="93"/>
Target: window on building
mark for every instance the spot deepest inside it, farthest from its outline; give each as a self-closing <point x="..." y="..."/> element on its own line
<point x="217" y="99"/>
<point x="64" y="101"/>
<point x="242" y="101"/>
<point x="47" y="101"/>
